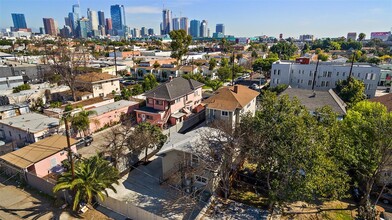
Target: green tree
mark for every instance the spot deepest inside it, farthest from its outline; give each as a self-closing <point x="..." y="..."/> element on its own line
<point x="92" y="177"/>
<point x="212" y="64"/>
<point x="306" y="48"/>
<point x="146" y="136"/>
<point x="284" y="49"/>
<point x="156" y="65"/>
<point x="224" y="62"/>
<point x="292" y="152"/>
<point x="361" y="36"/>
<point x="149" y="82"/>
<point x="179" y="45"/>
<point x="366" y="148"/>
<point x="351" y="91"/>
<point x="137" y="90"/>
<point x="254" y="54"/>
<point x="224" y="73"/>
<point x="323" y="56"/>
<point x="214" y="84"/>
<point x="80" y="121"/>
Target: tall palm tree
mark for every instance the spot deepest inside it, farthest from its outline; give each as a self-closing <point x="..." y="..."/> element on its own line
<point x="93" y="176"/>
<point x="80" y="122"/>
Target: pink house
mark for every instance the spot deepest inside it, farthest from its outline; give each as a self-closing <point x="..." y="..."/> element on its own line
<point x="41" y="158"/>
<point x="171" y="102"/>
<point x="111" y="113"/>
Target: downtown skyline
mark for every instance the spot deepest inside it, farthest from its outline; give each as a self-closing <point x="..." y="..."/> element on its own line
<point x="326" y="18"/>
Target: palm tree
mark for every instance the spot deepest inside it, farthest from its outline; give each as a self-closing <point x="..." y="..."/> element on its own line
<point x="80" y="122"/>
<point x="93" y="176"/>
<point x="361" y="36"/>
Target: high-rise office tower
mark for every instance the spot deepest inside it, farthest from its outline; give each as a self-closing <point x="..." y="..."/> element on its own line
<point x="143" y="31"/>
<point x="184" y="24"/>
<point x="93" y="17"/>
<point x="203" y="29"/>
<point x="195" y="28"/>
<point x="19" y="20"/>
<point x="50" y="26"/>
<point x="220" y="28"/>
<point x="84" y="29"/>
<point x="166" y="20"/>
<point x="150" y="32"/>
<point x="176" y="24"/>
<point x="101" y="18"/>
<point x="109" y="26"/>
<point x="117" y="12"/>
<point x="76" y="9"/>
<point x="67" y="22"/>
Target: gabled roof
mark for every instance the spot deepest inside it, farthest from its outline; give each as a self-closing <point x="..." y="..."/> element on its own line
<point x="227" y="99"/>
<point x="385" y="100"/>
<point x="319" y="100"/>
<point x="174" y="89"/>
<point x="37" y="151"/>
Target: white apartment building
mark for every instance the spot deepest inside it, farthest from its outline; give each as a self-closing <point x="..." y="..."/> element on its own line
<point x="299" y="75"/>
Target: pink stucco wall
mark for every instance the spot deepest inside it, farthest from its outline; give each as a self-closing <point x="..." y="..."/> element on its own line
<point x="155" y="117"/>
<point x="43" y="167"/>
<point x="152" y="104"/>
<point x="110" y="117"/>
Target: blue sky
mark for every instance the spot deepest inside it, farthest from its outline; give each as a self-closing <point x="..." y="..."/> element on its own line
<point x="322" y="18"/>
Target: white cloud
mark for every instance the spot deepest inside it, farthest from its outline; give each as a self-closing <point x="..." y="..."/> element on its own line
<point x="143" y="10"/>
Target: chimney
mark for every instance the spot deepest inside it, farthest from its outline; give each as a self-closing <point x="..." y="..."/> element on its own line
<point x="235" y="89"/>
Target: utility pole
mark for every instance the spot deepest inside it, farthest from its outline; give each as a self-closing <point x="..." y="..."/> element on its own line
<point x="314" y="77"/>
<point x="115" y="60"/>
<point x="352" y="64"/>
<point x="233" y="74"/>
<point x="69" y="146"/>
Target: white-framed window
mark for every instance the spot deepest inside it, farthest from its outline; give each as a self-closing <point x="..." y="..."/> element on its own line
<point x="178" y="100"/>
<point x="201" y="179"/>
<point x="225" y="113"/>
<point x="158" y="102"/>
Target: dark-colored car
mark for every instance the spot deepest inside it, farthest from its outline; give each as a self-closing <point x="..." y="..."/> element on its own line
<point x="86" y="141"/>
<point x="386" y="198"/>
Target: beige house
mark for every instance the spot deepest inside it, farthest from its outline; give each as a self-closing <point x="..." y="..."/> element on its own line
<point x="182" y="164"/>
<point x="99" y="84"/>
<point x="229" y="103"/>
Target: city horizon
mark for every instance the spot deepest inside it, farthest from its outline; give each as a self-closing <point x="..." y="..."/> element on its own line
<point x="149" y="15"/>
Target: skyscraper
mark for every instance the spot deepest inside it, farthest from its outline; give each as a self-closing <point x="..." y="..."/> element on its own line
<point x="195" y="28"/>
<point x="166" y="19"/>
<point x="93" y="17"/>
<point x="203" y="29"/>
<point x="50" y="26"/>
<point x="101" y="18"/>
<point x="109" y="26"/>
<point x="150" y="32"/>
<point x="117" y="13"/>
<point x="176" y="24"/>
<point x="76" y="9"/>
<point x="19" y="20"/>
<point x="84" y="24"/>
<point x="184" y="24"/>
<point x="143" y="31"/>
<point x="220" y="28"/>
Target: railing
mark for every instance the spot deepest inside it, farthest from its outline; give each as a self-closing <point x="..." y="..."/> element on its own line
<point x="165" y="117"/>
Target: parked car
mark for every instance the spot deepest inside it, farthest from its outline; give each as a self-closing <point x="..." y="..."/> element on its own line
<point x="386" y="198"/>
<point x="85" y="141"/>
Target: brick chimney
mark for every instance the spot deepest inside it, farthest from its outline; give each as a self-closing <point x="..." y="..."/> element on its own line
<point x="235" y="89"/>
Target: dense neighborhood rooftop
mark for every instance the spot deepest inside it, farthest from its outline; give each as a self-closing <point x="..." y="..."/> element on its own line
<point x="385" y="100"/>
<point x="37" y="151"/>
<point x="318" y="99"/>
<point x="231" y="98"/>
<point x="31" y="122"/>
<point x="113" y="106"/>
<point x="95" y="77"/>
<point x="174" y="89"/>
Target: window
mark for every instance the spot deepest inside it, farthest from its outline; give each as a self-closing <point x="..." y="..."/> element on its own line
<point x="101" y="94"/>
<point x="186" y="98"/>
<point x="329" y="73"/>
<point x="274" y="72"/>
<point x="309" y="82"/>
<point x="248" y="105"/>
<point x="53" y="162"/>
<point x="292" y="71"/>
<point x="344" y="74"/>
<point x="303" y="71"/>
<point x="225" y="113"/>
<point x="298" y="81"/>
<point x="278" y="72"/>
<point x="322" y="83"/>
<point x="158" y="102"/>
<point x="20" y="137"/>
<point x="302" y="81"/>
<point x="178" y="100"/>
<point x="194" y="160"/>
<point x="10" y="133"/>
<point x="327" y="84"/>
<point x="112" y="82"/>
<point x="359" y="74"/>
<point x="277" y="81"/>
<point x="373" y="76"/>
<point x="337" y="73"/>
<point x="310" y="73"/>
<point x="196" y="92"/>
<point x="299" y="71"/>
<point x="324" y="73"/>
<point x="201" y="179"/>
<point x="149" y="117"/>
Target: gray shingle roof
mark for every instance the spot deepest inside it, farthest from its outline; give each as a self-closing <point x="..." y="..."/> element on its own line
<point x="174" y="89"/>
<point x="321" y="99"/>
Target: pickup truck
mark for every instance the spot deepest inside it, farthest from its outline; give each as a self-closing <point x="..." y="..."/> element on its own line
<point x="85" y="141"/>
